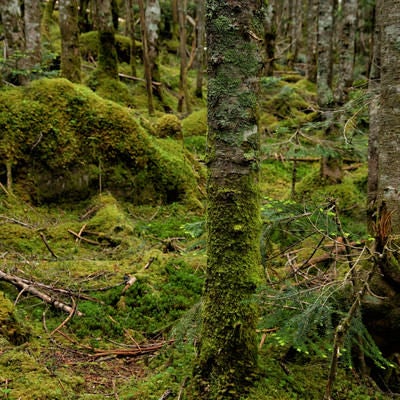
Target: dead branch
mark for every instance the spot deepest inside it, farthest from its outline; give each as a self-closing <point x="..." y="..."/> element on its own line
<point x="16" y="221"/>
<point x="19" y="283"/>
<point x="131" y="280"/>
<point x="341" y="332"/>
<point x="66" y="319"/>
<point x="166" y="394"/>
<point x="124" y="352"/>
<point x="83" y="238"/>
<point x="47" y="245"/>
<point x="64" y="292"/>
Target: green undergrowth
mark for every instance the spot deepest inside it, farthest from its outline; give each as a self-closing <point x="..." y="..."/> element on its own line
<point x="150" y="243"/>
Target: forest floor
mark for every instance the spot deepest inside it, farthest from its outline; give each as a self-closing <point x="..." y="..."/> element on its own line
<point x="136" y="273"/>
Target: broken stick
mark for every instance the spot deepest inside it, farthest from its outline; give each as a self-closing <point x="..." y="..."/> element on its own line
<point x="19" y="283"/>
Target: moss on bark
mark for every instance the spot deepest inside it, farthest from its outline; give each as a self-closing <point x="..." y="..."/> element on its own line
<point x="228" y="352"/>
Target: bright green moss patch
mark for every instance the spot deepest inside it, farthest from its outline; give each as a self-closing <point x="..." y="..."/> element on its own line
<point x="195" y="124"/>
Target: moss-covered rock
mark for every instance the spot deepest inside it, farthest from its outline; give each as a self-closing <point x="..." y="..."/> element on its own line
<point x="66" y="143"/>
<point x="10" y="329"/>
<point x="195" y="124"/>
<point x="168" y="125"/>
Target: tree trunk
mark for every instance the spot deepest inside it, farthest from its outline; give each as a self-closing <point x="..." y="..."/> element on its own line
<point x="346" y="50"/>
<point x="146" y="59"/>
<point x="269" y="38"/>
<point x="295" y="30"/>
<point x="312" y="36"/>
<point x="175" y="20"/>
<point x="153" y="18"/>
<point x="85" y="25"/>
<point x="382" y="314"/>
<point x="32" y="18"/>
<point x="70" y="53"/>
<point x="183" y="88"/>
<point x="108" y="62"/>
<point x="14" y="41"/>
<point x="130" y="27"/>
<point x="325" y="55"/>
<point x="389" y="113"/>
<point x="200" y="38"/>
<point x="228" y="349"/>
<point x="373" y="151"/>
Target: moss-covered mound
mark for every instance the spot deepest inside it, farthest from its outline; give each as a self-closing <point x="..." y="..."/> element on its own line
<point x="60" y="141"/>
<point x="89" y="46"/>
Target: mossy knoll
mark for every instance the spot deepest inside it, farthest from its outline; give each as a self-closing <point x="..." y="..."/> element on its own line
<point x="61" y="141"/>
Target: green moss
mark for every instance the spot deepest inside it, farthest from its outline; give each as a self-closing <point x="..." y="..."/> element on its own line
<point x="89" y="46"/>
<point x="195" y="124"/>
<point x="10" y="328"/>
<point x="28" y="378"/>
<point x="63" y="140"/>
<point x="168" y="125"/>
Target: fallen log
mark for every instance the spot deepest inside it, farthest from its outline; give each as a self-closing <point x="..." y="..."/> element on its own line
<point x="29" y="288"/>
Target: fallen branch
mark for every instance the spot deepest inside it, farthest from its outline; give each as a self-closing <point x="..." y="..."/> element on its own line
<point x="16" y="221"/>
<point x="21" y="284"/>
<point x="82" y="238"/>
<point x="47" y="245"/>
<point x="136" y="351"/>
<point x="166" y="394"/>
<point x="131" y="280"/>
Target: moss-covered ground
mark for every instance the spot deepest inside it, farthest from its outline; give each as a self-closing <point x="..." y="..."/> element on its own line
<point x="124" y="243"/>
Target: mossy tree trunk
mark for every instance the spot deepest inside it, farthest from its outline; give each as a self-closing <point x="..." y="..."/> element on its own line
<point x="70" y="53"/>
<point x="108" y="62"/>
<point x="228" y="350"/>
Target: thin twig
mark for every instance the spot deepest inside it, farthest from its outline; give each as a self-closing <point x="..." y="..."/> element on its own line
<point x="47" y="245"/>
<point x="66" y="319"/>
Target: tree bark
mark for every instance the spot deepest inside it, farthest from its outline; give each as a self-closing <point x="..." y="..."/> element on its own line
<point x="325" y="55"/>
<point x="146" y="59"/>
<point x="14" y="40"/>
<point x="346" y="50"/>
<point x="312" y="37"/>
<point x="32" y="18"/>
<point x="108" y="62"/>
<point x="270" y="29"/>
<point x="388" y="117"/>
<point x="153" y="18"/>
<point x="184" y="101"/>
<point x="373" y="153"/>
<point x="200" y="42"/>
<point x="130" y="25"/>
<point x="70" y="53"/>
<point x="228" y="347"/>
